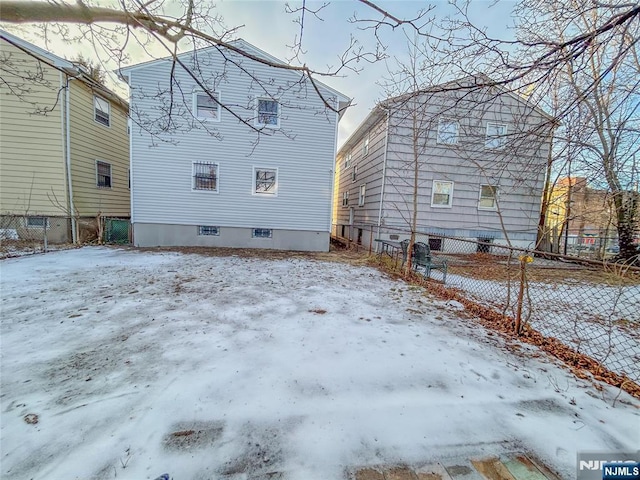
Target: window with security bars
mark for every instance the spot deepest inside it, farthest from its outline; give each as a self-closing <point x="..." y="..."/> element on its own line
<point x="101" y="111"/>
<point x="488" y="194"/>
<point x="207" y="105"/>
<point x="265" y="181"/>
<point x="37" y="222"/>
<point x="103" y="174"/>
<point x="262" y="233"/>
<point x="208" y="230"/>
<point x="268" y="112"/>
<point x="205" y="176"/>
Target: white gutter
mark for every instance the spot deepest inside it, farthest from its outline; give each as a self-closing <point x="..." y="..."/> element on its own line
<point x="130" y="128"/>
<point x="384" y="173"/>
<point x="72" y="209"/>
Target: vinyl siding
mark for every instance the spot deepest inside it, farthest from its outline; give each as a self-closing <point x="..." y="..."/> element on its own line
<point x="370" y="170"/>
<point x="162" y="162"/>
<point x="92" y="141"/>
<point x="32" y="165"/>
<point x="517" y="170"/>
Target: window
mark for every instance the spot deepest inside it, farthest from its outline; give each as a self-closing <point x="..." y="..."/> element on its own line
<point x="365" y="146"/>
<point x="205" y="107"/>
<point x="268" y="112"/>
<point x="347" y="162"/>
<point x="101" y="111"/>
<point x="208" y="230"/>
<point x="496" y="135"/>
<point x="37" y="222"/>
<point x="266" y="181"/>
<point x="205" y="176"/>
<point x="363" y="189"/>
<point x="262" y="233"/>
<point x="442" y="194"/>
<point x="488" y="200"/>
<point x="354" y="173"/>
<point x="447" y="132"/>
<point x="103" y="174"/>
<point x="345" y="199"/>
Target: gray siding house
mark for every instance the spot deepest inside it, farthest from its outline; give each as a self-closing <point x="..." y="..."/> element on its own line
<point x="247" y="163"/>
<point x="474" y="156"/>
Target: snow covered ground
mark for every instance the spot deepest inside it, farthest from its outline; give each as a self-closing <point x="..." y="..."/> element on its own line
<point x="598" y="320"/>
<point x="121" y="364"/>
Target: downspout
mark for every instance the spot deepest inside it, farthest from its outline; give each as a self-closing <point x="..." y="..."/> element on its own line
<point x="384" y="174"/>
<point x="335" y="152"/>
<point x="72" y="209"/>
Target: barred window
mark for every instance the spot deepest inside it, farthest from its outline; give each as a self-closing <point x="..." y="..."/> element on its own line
<point x="265" y="181"/>
<point x="261" y="233"/>
<point x="205" y="176"/>
<point x="208" y="230"/>
<point x="268" y="112"/>
<point x="103" y="174"/>
<point x="101" y="111"/>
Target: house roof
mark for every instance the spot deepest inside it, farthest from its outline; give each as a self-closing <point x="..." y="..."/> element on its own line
<point x="74" y="70"/>
<point x="379" y="111"/>
<point x="241" y="44"/>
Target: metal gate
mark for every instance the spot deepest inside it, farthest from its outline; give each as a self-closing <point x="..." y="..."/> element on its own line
<point x="117" y="230"/>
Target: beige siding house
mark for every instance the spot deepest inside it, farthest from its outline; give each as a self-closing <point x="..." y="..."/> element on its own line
<point x="64" y="145"/>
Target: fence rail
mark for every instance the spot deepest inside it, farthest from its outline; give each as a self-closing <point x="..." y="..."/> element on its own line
<point x="591" y="307"/>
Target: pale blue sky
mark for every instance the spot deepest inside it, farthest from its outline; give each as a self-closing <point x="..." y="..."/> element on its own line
<point x="266" y="25"/>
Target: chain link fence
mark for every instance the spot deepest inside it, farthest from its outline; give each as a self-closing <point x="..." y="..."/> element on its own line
<point x="28" y="234"/>
<point x="593" y="307"/>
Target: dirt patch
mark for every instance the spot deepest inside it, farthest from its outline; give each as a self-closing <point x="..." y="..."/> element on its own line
<point x="188" y="435"/>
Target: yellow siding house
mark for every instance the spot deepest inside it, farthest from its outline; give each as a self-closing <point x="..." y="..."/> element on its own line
<point x="64" y="144"/>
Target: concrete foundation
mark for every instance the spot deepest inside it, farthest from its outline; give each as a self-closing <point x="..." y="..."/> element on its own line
<point x="162" y="235"/>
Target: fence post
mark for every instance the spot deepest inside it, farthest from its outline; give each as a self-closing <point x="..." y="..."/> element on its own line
<point x="524" y="259"/>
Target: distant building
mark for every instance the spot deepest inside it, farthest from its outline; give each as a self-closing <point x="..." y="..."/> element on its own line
<point x="580" y="215"/>
<point x="474" y="156"/>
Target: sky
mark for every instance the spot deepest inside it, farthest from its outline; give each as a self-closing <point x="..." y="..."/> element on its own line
<point x="267" y="25"/>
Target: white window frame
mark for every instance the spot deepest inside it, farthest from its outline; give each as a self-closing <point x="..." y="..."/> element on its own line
<point x="208" y="231"/>
<point x="110" y="186"/>
<point x="496" y="192"/>
<point x="365" y="145"/>
<point x="347" y="162"/>
<point x="97" y="98"/>
<point x="354" y="174"/>
<point x="361" y="197"/>
<point x="448" y="121"/>
<point x="257" y="122"/>
<point x="196" y="112"/>
<point x="255" y="181"/>
<point x="44" y="224"/>
<point x="433" y="194"/>
<point x="254" y="231"/>
<point x="193" y="177"/>
<point x="501" y="139"/>
<point x="345" y="199"/>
